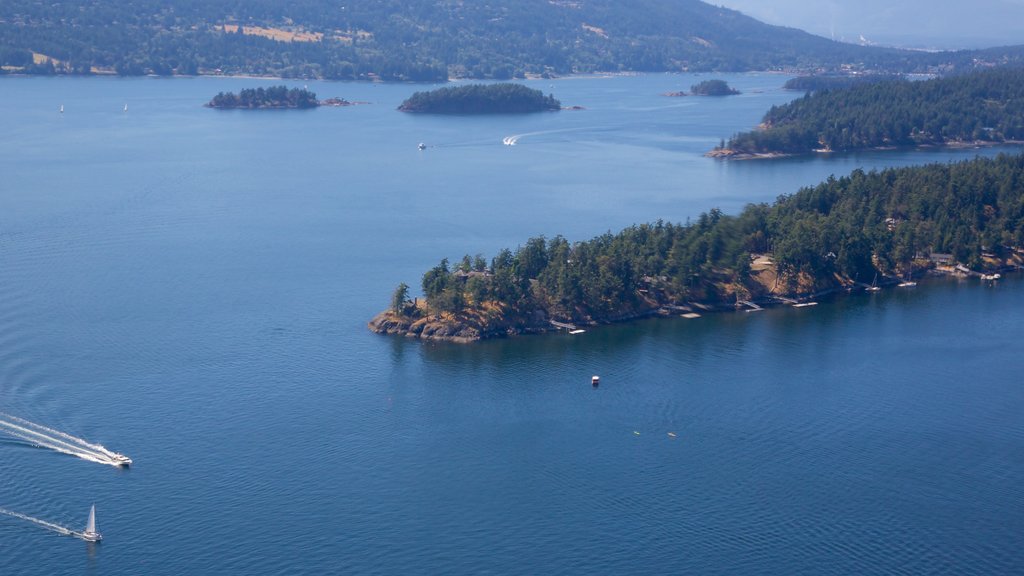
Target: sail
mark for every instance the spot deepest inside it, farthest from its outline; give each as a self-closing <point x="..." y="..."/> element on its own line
<point x="90" y="526"/>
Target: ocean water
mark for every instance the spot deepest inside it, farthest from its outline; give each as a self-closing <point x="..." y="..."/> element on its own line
<point x="191" y="287"/>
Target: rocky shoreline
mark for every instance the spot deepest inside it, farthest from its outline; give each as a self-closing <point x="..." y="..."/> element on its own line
<point x="469" y="327"/>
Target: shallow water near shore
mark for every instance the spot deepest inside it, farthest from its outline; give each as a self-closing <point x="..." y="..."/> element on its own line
<point x="191" y="287"/>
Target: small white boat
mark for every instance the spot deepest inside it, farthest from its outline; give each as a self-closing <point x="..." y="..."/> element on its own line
<point x="61" y="108"/>
<point x="422" y="146"/>
<point x="909" y="281"/>
<point x="874" y="285"/>
<point x="91" y="534"/>
<point x="126" y="107"/>
<point x="120" y="459"/>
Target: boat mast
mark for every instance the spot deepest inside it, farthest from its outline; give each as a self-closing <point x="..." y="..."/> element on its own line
<point x="90" y="526"/>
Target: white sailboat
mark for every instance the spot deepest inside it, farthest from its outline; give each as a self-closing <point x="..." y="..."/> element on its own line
<point x="91" y="534"/>
<point x="61" y="108"/>
<point x="874" y="285"/>
<point x="909" y="282"/>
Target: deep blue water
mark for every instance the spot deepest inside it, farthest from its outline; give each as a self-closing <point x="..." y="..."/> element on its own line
<point x="191" y="287"/>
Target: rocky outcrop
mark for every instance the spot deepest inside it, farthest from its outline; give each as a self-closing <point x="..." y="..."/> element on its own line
<point x="461" y="328"/>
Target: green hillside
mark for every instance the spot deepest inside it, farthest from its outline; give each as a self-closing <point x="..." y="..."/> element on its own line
<point x="415" y="39"/>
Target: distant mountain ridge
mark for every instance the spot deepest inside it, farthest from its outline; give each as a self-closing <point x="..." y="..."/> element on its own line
<point x="418" y="39"/>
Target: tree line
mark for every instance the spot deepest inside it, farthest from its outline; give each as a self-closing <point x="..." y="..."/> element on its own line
<point x="817" y="82"/>
<point x="843" y="230"/>
<point x="985" y="106"/>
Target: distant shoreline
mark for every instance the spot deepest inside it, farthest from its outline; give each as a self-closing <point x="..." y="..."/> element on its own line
<point x="449" y="80"/>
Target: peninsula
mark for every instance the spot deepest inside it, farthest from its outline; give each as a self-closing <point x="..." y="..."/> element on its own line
<point x="844" y="233"/>
<point x="818" y="82"/>
<point x="503" y="98"/>
<point x="980" y="108"/>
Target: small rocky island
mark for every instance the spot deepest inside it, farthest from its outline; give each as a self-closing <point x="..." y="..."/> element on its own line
<point x="503" y="98"/>
<point x="274" y="97"/>
<point x="706" y="88"/>
<point x="713" y="88"/>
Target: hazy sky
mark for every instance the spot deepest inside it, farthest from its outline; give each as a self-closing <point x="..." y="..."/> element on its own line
<point x="935" y="23"/>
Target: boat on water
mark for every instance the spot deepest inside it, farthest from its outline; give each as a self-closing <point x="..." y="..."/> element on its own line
<point x="91" y="534"/>
<point x="909" y="281"/>
<point x="874" y="285"/>
<point x="120" y="459"/>
<point x="422" y="146"/>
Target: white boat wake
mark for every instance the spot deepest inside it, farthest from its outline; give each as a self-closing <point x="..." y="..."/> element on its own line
<point x="63" y="530"/>
<point x="44" y="437"/>
<point x="515" y="138"/>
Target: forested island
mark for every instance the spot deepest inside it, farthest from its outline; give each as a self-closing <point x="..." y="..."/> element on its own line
<point x="707" y="88"/>
<point x="274" y="97"/>
<point x="502" y="98"/>
<point x="837" y="235"/>
<point x="426" y="40"/>
<point x="984" y="107"/>
<point x="713" y="88"/>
